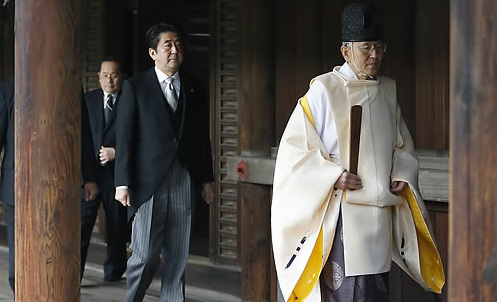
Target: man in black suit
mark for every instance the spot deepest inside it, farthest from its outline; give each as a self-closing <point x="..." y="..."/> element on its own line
<point x="102" y="106"/>
<point x="163" y="154"/>
<point x="7" y="184"/>
<point x="7" y="174"/>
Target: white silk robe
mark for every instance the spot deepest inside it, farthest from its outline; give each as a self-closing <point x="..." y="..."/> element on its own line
<point x="378" y="227"/>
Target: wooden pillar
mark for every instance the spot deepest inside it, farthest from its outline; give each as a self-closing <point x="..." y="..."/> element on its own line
<point x="473" y="205"/>
<point x="256" y="120"/>
<point x="47" y="142"/>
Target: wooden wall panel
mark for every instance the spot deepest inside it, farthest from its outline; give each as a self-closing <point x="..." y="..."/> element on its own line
<point x="117" y="37"/>
<point x="432" y="74"/>
<point x="255" y="232"/>
<point x="92" y="43"/>
<point x="286" y="79"/>
<point x="330" y="13"/>
<point x="399" y="61"/>
<point x="256" y="137"/>
<point x="307" y="41"/>
<point x="307" y="44"/>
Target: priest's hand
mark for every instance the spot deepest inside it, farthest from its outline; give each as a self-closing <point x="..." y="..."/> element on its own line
<point x="348" y="181"/>
<point x="397" y="186"/>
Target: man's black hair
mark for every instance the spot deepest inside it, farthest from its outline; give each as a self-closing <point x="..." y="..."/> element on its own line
<point x="112" y="59"/>
<point x="153" y="33"/>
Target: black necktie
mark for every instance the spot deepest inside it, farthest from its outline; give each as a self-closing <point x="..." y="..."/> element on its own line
<point x="109" y="104"/>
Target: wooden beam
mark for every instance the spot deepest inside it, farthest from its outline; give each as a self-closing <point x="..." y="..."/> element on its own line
<point x="47" y="142"/>
<point x="255" y="137"/>
<point x="473" y="81"/>
<point x="258" y="170"/>
<point x="433" y="173"/>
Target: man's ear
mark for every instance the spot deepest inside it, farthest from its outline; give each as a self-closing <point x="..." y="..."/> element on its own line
<point x="345" y="50"/>
<point x="152" y="53"/>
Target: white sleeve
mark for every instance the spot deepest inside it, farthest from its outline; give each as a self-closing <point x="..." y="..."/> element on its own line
<point x="323" y="117"/>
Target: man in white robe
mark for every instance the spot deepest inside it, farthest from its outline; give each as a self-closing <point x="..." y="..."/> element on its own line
<point x="379" y="212"/>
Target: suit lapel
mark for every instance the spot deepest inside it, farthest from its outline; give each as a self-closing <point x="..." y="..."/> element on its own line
<point x="183" y="99"/>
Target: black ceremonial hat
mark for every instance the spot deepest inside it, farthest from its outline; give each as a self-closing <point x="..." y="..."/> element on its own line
<point x="361" y="22"/>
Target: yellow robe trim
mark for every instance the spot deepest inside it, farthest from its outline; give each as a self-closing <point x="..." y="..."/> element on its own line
<point x="430" y="264"/>
<point x="307" y="110"/>
<point x="310" y="275"/>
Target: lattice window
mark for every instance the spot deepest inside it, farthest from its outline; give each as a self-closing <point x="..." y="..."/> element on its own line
<point x="226" y="75"/>
<point x="92" y="43"/>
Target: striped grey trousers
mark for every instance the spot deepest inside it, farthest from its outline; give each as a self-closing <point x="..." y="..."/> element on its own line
<point x="162" y="225"/>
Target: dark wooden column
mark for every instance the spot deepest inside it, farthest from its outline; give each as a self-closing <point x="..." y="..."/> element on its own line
<point x="47" y="138"/>
<point x="473" y="206"/>
<point x="256" y="136"/>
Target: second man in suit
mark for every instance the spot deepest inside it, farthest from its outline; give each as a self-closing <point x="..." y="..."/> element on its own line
<point x="102" y="107"/>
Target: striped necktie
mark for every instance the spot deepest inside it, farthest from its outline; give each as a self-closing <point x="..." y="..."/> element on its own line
<point x="170" y="92"/>
<point x="109" y="105"/>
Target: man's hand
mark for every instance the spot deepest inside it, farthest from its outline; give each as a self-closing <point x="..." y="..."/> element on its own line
<point x="122" y="195"/>
<point x="348" y="181"/>
<point x="106" y="155"/>
<point x="397" y="186"/>
<point x="208" y="192"/>
<point x="91" y="190"/>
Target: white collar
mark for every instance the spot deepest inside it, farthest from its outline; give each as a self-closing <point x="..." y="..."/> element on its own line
<point x="350" y="79"/>
<point x="346" y="71"/>
<point x="162" y="76"/>
<point x="106" y="95"/>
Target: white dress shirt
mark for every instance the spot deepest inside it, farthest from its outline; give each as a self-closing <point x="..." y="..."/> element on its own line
<point x="106" y="95"/>
<point x="161" y="77"/>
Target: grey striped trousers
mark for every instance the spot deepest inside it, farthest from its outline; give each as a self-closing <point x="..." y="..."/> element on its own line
<point x="162" y="225"/>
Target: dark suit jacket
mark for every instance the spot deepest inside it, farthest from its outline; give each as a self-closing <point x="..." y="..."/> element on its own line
<point x="148" y="141"/>
<point x="103" y="135"/>
<point x="7" y="140"/>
